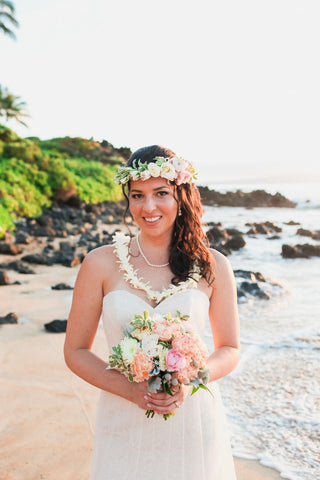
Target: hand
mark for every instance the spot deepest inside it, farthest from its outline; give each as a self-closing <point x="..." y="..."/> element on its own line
<point x="163" y="403"/>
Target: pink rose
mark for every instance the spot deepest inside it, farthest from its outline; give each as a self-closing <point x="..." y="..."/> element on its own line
<point x="183" y="177"/>
<point x="175" y="361"/>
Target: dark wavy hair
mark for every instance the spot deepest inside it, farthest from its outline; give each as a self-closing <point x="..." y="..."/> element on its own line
<point x="189" y="243"/>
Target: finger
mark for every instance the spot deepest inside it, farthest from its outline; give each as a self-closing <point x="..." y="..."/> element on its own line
<point x="154" y="402"/>
<point x="159" y="396"/>
<point x="166" y="409"/>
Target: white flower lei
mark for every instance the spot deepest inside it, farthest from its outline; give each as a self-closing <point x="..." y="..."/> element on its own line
<point x="121" y="242"/>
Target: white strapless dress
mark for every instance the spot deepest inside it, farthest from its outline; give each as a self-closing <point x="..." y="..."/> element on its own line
<point x="191" y="445"/>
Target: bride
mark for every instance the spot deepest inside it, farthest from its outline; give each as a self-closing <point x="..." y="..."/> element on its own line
<point x="165" y="268"/>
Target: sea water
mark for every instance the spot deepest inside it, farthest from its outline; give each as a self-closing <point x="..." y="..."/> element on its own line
<point x="273" y="397"/>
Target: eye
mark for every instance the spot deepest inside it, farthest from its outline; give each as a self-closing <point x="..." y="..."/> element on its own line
<point x="136" y="196"/>
<point x="163" y="193"/>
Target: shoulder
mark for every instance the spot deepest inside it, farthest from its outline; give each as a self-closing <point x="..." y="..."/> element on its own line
<point x="101" y="258"/>
<point x="222" y="269"/>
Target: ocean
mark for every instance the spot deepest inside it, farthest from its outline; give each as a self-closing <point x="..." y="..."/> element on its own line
<point x="272" y="399"/>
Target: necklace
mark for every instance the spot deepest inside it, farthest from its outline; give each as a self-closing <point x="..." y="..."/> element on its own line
<point x="121" y="245"/>
<point x="145" y="258"/>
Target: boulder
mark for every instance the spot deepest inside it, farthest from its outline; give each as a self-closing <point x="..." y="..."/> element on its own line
<point x="248" y="274"/>
<point x="10" y="248"/>
<point x="235" y="243"/>
<point x="291" y="222"/>
<point x="252" y="288"/>
<point x="18" y="266"/>
<point x="315" y="234"/>
<point x="22" y="237"/>
<point x="4" y="278"/>
<point x="38" y="258"/>
<point x="300" y="251"/>
<point x="61" y="286"/>
<point x="9" y="318"/>
<point x="215" y="234"/>
<point x="56" y="326"/>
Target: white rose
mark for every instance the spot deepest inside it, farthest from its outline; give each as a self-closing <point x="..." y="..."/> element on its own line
<point x="140" y="334"/>
<point x="145" y="175"/>
<point x="168" y="171"/>
<point x="179" y="164"/>
<point x="134" y="175"/>
<point x="154" y="170"/>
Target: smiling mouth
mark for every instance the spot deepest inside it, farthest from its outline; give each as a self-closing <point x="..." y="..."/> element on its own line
<point x="152" y="219"/>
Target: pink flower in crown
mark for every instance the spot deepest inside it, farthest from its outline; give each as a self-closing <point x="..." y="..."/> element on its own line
<point x="165" y="329"/>
<point x="175" y="361"/>
<point x="179" y="164"/>
<point x="141" y="366"/>
<point x="183" y="177"/>
<point x="186" y="374"/>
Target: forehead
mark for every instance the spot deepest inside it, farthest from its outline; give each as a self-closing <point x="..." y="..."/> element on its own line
<point x="150" y="184"/>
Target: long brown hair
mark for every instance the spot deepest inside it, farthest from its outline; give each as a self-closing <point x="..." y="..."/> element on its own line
<point x="189" y="243"/>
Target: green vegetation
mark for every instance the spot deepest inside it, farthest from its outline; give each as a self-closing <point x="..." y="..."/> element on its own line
<point x="12" y="107"/>
<point x="7" y="18"/>
<point x="34" y="173"/>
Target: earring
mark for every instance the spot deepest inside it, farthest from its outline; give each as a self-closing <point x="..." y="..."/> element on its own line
<point x="179" y="212"/>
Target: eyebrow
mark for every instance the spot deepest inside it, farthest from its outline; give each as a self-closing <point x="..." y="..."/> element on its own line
<point x="155" y="189"/>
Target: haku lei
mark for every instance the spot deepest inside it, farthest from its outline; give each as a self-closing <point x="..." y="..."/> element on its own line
<point x="177" y="170"/>
<point x="121" y="243"/>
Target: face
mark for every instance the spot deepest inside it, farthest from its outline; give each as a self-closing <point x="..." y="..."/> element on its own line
<point x="153" y="205"/>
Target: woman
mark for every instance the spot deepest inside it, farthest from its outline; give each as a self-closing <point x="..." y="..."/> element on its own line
<point x="165" y="268"/>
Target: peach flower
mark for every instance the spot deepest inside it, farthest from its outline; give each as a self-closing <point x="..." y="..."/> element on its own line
<point x="141" y="366"/>
<point x="165" y="329"/>
<point x="187" y="374"/>
<point x="191" y="346"/>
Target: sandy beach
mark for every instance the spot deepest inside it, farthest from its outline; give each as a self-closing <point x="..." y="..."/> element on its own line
<point x="47" y="413"/>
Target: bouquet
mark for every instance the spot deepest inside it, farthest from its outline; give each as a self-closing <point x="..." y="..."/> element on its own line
<point x="162" y="351"/>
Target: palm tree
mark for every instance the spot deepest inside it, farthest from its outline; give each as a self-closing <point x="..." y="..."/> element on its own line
<point x="7" y="12"/>
<point x="12" y="107"/>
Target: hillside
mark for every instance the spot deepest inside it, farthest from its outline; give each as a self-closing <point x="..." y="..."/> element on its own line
<point x="34" y="173"/>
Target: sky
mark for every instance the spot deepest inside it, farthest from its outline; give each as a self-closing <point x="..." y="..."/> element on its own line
<point x="231" y="85"/>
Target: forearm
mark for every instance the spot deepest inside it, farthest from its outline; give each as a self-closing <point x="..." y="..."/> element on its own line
<point x="222" y="361"/>
<point x="93" y="370"/>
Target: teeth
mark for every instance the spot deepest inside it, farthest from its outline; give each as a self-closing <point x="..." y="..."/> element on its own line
<point x="153" y="219"/>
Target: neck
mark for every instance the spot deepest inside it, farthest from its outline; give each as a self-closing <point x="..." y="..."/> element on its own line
<point x="156" y="249"/>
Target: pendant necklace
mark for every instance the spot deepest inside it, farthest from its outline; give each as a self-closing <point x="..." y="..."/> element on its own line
<point x="145" y="258"/>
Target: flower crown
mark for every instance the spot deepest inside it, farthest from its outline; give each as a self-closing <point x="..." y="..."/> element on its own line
<point x="175" y="169"/>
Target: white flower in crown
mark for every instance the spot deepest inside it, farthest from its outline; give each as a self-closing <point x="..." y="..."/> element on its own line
<point x="134" y="175"/>
<point x="168" y="171"/>
<point x="154" y="169"/>
<point x="179" y="164"/>
<point x="145" y="175"/>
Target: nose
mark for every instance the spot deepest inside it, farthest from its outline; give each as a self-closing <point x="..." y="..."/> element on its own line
<point x="149" y="204"/>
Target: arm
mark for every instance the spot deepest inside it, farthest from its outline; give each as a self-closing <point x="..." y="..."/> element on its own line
<point x="83" y="323"/>
<point x="224" y="320"/>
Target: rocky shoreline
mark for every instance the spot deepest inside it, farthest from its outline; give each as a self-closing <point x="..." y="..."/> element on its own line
<point x="254" y="199"/>
<point x="65" y="233"/>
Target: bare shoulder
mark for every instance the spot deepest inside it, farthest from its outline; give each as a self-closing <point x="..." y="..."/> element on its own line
<point x="104" y="253"/>
<point x="221" y="265"/>
<point x="100" y="262"/>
